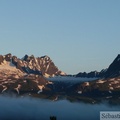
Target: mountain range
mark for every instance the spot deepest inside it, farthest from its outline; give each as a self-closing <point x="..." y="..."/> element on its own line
<point x="26" y="75"/>
<point x="112" y="71"/>
<point x="29" y="75"/>
<point x="31" y="65"/>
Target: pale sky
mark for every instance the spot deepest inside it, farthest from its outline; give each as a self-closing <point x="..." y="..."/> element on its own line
<point x="78" y="35"/>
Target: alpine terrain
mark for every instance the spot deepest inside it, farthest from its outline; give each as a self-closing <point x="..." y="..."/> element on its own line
<point x="41" y="78"/>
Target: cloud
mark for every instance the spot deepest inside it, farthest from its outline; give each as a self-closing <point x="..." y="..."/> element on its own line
<point x="13" y="108"/>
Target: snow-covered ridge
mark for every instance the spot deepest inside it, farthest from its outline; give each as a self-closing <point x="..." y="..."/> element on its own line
<point x="8" y="65"/>
<point x="9" y="68"/>
<point x="16" y="80"/>
<point x="31" y="65"/>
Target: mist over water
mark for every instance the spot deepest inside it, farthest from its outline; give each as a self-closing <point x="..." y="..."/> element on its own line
<point x="27" y="108"/>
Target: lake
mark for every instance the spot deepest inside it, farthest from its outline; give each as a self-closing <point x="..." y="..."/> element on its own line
<point x="28" y="108"/>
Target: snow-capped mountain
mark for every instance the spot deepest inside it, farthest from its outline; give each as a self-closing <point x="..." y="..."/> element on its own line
<point x="26" y="75"/>
<point x="32" y="65"/>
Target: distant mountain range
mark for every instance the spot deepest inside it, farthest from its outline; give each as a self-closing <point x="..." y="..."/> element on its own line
<point x="112" y="71"/>
<point x="46" y="67"/>
<point x="29" y="75"/>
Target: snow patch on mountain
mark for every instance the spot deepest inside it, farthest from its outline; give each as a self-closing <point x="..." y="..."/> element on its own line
<point x="8" y="69"/>
<point x="8" y="66"/>
<point x="41" y="88"/>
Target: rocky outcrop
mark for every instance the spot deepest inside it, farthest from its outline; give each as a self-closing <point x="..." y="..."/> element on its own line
<point x="5" y="58"/>
<point x="26" y="75"/>
<point x="8" y="57"/>
<point x="32" y="65"/>
<point x="13" y="79"/>
<point x="112" y="71"/>
<point x="43" y="64"/>
<point x="1" y="59"/>
<point x="114" y="68"/>
<point x="108" y="85"/>
<point x="101" y="87"/>
<point x="92" y="74"/>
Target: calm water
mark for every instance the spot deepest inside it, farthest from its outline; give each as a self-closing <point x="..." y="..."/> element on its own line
<point x="39" y="109"/>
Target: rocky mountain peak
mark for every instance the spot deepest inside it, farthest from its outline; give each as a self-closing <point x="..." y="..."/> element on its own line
<point x="114" y="68"/>
<point x="118" y="57"/>
<point x="33" y="65"/>
<point x="25" y="57"/>
<point x="8" y="57"/>
<point x="21" y="75"/>
<point x="112" y="71"/>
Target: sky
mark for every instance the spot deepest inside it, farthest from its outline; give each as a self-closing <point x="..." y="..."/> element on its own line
<point x="78" y="35"/>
